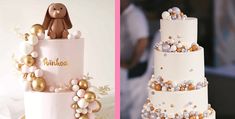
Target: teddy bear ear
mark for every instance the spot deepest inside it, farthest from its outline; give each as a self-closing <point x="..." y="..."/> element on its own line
<point x="47" y="19"/>
<point x="67" y="20"/>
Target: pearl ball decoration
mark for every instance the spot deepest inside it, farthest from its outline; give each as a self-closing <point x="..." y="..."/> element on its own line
<point x="77" y="115"/>
<point x="32" y="40"/>
<point x="51" y="89"/>
<point x="41" y="36"/>
<point x="84" y="111"/>
<point x="77" y="34"/>
<point x="173" y="48"/>
<point x="25" y="69"/>
<point x="82" y="103"/>
<point x="74" y="106"/>
<point x="38" y="73"/>
<point x="32" y="68"/>
<point x="74" y="82"/>
<point x="166" y="15"/>
<point x="176" y="10"/>
<point x="75" y="88"/>
<point x="34" y="54"/>
<point x="38" y="84"/>
<point x="90" y="96"/>
<point x="70" y="36"/>
<point x="26" y="48"/>
<point x="75" y="98"/>
<point x="81" y="93"/>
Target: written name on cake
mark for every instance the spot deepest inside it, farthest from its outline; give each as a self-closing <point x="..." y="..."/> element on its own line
<point x="54" y="62"/>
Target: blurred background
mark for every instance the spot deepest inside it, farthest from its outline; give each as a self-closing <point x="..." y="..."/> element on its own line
<point x="216" y="33"/>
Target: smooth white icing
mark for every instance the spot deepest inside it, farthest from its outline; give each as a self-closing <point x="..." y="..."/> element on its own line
<point x="48" y="105"/>
<point x="71" y="51"/>
<point x="179" y="67"/>
<point x="186" y="29"/>
<point x="180" y="100"/>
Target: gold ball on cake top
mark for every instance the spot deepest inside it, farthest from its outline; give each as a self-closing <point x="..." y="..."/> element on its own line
<point x="83" y="84"/>
<point x="74" y="106"/>
<point x="38" y="84"/>
<point x="37" y="28"/>
<point x="90" y="96"/>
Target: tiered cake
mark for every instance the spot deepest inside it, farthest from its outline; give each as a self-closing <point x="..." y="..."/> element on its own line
<point x="178" y="89"/>
<point x="51" y="70"/>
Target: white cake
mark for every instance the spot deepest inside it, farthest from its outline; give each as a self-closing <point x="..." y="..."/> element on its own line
<point x="52" y="73"/>
<point x="178" y="89"/>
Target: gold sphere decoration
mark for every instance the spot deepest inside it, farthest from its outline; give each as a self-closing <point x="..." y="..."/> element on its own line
<point x="90" y="96"/>
<point x="32" y="75"/>
<point x="83" y="117"/>
<point x="83" y="84"/>
<point x="28" y="60"/>
<point x="25" y="37"/>
<point x="18" y="66"/>
<point x="38" y="84"/>
<point x="74" y="106"/>
<point x="37" y="28"/>
<point x="99" y="106"/>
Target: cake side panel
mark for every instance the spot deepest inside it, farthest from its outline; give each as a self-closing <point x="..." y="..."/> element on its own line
<point x="61" y="60"/>
<point x="48" y="105"/>
<point x="175" y="102"/>
<point x="179" y="67"/>
<point x="183" y="30"/>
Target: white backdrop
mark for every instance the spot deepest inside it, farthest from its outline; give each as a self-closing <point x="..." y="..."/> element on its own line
<point x="94" y="18"/>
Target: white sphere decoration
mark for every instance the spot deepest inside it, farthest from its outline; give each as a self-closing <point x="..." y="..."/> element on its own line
<point x="38" y="73"/>
<point x="92" y="105"/>
<point x="165" y="15"/>
<point x="82" y="103"/>
<point x="165" y="47"/>
<point x="51" y="89"/>
<point x="77" y="115"/>
<point x="79" y="110"/>
<point x="47" y="37"/>
<point x="173" y="48"/>
<point x="179" y="45"/>
<point x="170" y="10"/>
<point x="75" y="98"/>
<point x="77" y="34"/>
<point x="26" y="48"/>
<point x="41" y="36"/>
<point x="70" y="36"/>
<point x="75" y="88"/>
<point x="32" y="39"/>
<point x="176" y="10"/>
<point x="84" y="111"/>
<point x="25" y="69"/>
<point x="81" y="93"/>
<point x="29" y="79"/>
<point x="32" y="68"/>
<point x="57" y="90"/>
<point x="74" y="82"/>
<point x="34" y="54"/>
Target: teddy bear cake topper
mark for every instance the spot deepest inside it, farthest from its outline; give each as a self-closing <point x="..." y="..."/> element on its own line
<point x="57" y="21"/>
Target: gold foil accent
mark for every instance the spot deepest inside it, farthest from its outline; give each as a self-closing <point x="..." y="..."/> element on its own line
<point x="56" y="62"/>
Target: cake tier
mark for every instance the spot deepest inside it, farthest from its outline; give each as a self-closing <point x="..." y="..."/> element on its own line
<point x="183" y="30"/>
<point x="178" y="101"/>
<point x="60" y="60"/>
<point x="180" y="67"/>
<point x="48" y="105"/>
